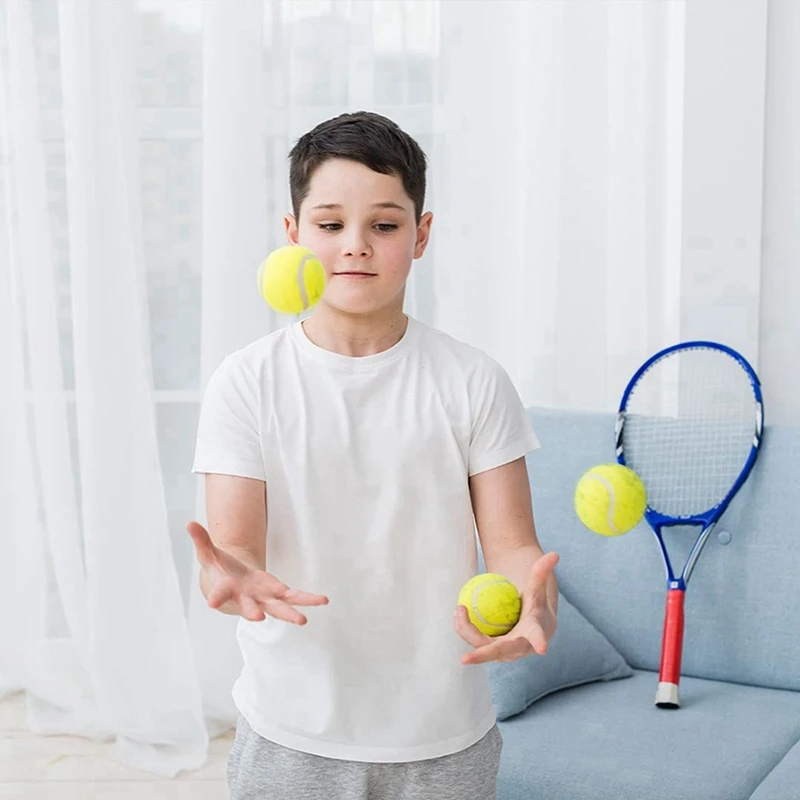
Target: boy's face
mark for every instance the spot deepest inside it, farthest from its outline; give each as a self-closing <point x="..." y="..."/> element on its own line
<point x="362" y="227"/>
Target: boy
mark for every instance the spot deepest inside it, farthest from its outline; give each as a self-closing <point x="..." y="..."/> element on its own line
<point x="352" y="455"/>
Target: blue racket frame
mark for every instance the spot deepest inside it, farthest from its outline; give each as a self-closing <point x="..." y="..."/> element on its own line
<point x="707" y="519"/>
<point x="667" y="695"/>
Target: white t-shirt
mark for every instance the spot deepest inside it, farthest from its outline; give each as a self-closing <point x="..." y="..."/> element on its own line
<point x="366" y="462"/>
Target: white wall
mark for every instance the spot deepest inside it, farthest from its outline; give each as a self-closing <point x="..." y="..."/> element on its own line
<point x="722" y="165"/>
<point x="779" y="329"/>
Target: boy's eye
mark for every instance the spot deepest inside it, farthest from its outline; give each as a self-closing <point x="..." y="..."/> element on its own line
<point x="382" y="227"/>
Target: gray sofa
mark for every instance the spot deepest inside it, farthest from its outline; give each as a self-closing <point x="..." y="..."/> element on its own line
<point x="737" y="734"/>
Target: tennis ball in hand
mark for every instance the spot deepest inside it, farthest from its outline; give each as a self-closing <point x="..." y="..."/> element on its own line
<point x="292" y="279"/>
<point x="610" y="499"/>
<point x="493" y="603"/>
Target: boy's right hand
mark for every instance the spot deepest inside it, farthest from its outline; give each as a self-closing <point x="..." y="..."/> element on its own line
<point x="235" y="588"/>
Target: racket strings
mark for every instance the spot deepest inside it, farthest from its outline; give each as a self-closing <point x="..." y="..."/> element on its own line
<point x="689" y="428"/>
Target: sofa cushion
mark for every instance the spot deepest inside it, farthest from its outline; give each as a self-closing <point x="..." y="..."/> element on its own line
<point x="783" y="783"/>
<point x="609" y="742"/>
<point x="742" y="605"/>
<point x="578" y="653"/>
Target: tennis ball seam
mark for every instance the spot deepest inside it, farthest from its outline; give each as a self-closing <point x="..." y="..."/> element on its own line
<point x="475" y="594"/>
<point x="611" y="499"/>
<point x="301" y="278"/>
<point x="291" y="279"/>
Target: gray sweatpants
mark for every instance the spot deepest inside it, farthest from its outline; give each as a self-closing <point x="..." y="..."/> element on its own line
<point x="262" y="770"/>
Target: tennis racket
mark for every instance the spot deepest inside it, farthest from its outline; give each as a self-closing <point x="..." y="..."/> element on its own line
<point x="690" y="425"/>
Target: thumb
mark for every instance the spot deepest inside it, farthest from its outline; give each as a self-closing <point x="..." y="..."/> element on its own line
<point x="542" y="569"/>
<point x="203" y="545"/>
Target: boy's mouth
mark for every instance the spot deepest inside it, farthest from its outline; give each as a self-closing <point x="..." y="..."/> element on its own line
<point x="356" y="274"/>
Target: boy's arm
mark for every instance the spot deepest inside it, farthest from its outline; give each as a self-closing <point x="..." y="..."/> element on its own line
<point x="232" y="555"/>
<point x="237" y="517"/>
<point x="501" y="502"/>
<point x="237" y="522"/>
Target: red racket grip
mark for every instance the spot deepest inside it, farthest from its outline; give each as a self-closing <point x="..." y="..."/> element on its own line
<point x="672" y="640"/>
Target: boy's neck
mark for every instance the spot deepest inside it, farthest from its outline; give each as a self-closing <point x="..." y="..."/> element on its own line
<point x="355" y="335"/>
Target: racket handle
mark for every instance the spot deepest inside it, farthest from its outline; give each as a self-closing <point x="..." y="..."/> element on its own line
<point x="669" y="675"/>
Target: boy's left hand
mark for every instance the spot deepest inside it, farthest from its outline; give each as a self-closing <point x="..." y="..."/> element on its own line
<point x="531" y="634"/>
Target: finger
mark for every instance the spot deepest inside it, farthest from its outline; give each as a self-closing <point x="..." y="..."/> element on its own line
<point x="220" y="594"/>
<point x="280" y="610"/>
<point x="467" y="631"/>
<point x="268" y="587"/>
<point x="542" y="570"/>
<point x="506" y="650"/>
<point x="298" y="597"/>
<point x="248" y="608"/>
<point x="203" y="545"/>
<point x="537" y="639"/>
<point x="265" y="587"/>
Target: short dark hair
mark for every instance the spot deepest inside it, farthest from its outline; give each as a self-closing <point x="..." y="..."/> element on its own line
<point x="365" y="137"/>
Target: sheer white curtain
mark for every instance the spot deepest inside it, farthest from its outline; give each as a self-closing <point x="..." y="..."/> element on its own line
<point x="597" y="175"/>
<point x="779" y="317"/>
<point x="102" y="647"/>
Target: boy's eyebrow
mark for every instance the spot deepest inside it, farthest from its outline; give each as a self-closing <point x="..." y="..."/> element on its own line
<point x="383" y="204"/>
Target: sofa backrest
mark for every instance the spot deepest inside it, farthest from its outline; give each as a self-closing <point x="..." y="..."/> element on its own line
<point x="743" y="600"/>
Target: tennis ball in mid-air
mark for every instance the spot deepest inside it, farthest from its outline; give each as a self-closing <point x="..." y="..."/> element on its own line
<point x="610" y="499"/>
<point x="291" y="279"/>
<point x="493" y="603"/>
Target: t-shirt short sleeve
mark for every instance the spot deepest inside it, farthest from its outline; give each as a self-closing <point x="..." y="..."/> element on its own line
<point x="228" y="434"/>
<point x="501" y="430"/>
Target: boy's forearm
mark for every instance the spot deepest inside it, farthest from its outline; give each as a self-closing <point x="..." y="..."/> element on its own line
<point x="516" y="564"/>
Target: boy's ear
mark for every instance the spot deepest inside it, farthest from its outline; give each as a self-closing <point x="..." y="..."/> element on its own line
<point x="423" y="234"/>
<point x="290" y="225"/>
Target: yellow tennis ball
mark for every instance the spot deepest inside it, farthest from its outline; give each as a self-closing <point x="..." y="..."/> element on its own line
<point x="610" y="499"/>
<point x="291" y="279"/>
<point x="493" y="603"/>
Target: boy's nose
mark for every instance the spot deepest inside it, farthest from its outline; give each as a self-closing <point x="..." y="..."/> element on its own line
<point x="357" y="247"/>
